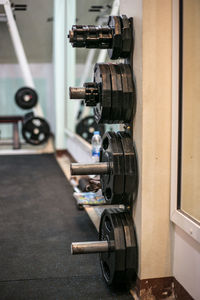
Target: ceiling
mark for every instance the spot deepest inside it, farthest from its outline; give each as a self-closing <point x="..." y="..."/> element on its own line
<point x="37" y="33"/>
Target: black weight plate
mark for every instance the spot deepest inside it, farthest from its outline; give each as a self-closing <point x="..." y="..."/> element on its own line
<point x="26" y="98"/>
<point x="117" y="95"/>
<point x="115" y="23"/>
<point x="35" y="130"/>
<point x="112" y="183"/>
<point x="127" y="37"/>
<point x="102" y="77"/>
<point x="130" y="167"/>
<point x="86" y="127"/>
<point x="113" y="263"/>
<point x="131" y="247"/>
<point x="132" y="89"/>
<point x="127" y="86"/>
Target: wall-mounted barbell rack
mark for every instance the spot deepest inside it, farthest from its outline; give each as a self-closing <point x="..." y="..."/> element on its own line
<point x="113" y="96"/>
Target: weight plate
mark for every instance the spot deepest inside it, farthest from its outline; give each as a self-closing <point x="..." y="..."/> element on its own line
<point x="86" y="127"/>
<point x="102" y="77"/>
<point x="26" y="98"/>
<point x="112" y="183"/>
<point x="127" y="37"/>
<point x="130" y="167"/>
<point x="35" y="130"/>
<point x="115" y="23"/>
<point x="127" y="86"/>
<point x="113" y="263"/>
<point x="132" y="89"/>
<point x="131" y="247"/>
<point x="117" y="95"/>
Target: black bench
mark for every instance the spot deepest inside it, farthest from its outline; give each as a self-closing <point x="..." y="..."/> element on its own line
<point x="15" y="120"/>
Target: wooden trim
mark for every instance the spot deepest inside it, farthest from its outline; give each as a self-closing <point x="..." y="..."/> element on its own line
<point x="62" y="152"/>
<point x="160" y="288"/>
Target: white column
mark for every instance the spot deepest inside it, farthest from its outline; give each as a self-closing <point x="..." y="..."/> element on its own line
<point x="20" y="53"/>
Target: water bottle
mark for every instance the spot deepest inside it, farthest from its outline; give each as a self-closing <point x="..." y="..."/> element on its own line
<point x="96" y="144"/>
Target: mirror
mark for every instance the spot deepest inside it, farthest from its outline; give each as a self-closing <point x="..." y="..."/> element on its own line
<point x="189" y="122"/>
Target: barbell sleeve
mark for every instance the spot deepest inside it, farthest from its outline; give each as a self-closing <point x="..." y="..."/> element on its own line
<point x="90" y="169"/>
<point x="91" y="247"/>
<point x="77" y="93"/>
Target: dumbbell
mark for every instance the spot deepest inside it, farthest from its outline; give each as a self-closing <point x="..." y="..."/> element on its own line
<point x="35" y="130"/>
<point x="117" y="36"/>
<point x="112" y="93"/>
<point x="26" y="98"/>
<point x="117" y="168"/>
<point x="117" y="246"/>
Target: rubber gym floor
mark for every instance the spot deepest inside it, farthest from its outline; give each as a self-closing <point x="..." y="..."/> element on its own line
<point x="38" y="222"/>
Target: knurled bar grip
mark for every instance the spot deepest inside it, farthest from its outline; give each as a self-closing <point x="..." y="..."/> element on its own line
<point x="90" y="169"/>
<point x="92" y="247"/>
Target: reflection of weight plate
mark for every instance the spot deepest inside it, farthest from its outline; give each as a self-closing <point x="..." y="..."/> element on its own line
<point x="26" y="98"/>
<point x="119" y="265"/>
<point x="103" y="107"/>
<point x="86" y="127"/>
<point x="112" y="182"/>
<point x="35" y="130"/>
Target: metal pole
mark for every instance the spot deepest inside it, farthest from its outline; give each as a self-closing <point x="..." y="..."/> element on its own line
<point x="19" y="50"/>
<point x="90" y="169"/>
<point x="92" y="247"/>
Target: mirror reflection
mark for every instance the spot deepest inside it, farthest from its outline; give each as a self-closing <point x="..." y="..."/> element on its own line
<point x="190" y="100"/>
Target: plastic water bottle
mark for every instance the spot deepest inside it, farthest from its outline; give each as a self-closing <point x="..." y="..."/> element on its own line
<point x="96" y="144"/>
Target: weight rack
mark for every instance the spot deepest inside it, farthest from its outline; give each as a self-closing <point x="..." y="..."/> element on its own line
<point x="113" y="96"/>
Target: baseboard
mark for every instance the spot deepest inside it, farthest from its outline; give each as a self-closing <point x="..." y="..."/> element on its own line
<point x="167" y="288"/>
<point x="62" y="152"/>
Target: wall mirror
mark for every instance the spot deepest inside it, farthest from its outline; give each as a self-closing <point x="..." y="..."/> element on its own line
<point x="189" y="109"/>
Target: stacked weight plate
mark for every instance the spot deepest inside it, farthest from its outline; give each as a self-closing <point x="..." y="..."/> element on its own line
<point x="113" y="96"/>
<point x="119" y="184"/>
<point x="119" y="267"/>
<point x="114" y="100"/>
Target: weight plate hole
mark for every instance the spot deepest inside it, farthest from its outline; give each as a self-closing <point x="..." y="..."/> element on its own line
<point x="106" y="270"/>
<point x="85" y="135"/>
<point x="105" y="143"/>
<point x="108" y="224"/>
<point x="41" y="136"/>
<point x="108" y="193"/>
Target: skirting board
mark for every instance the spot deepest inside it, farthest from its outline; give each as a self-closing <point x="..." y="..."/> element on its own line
<point x="167" y="288"/>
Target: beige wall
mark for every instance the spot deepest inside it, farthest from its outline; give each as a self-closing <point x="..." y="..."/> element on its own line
<point x="190" y="198"/>
<point x="156" y="139"/>
<point x="152" y="132"/>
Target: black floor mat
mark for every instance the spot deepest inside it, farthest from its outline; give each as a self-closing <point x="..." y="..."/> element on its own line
<point x="38" y="222"/>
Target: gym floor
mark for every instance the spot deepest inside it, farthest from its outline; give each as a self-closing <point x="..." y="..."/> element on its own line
<point x="38" y="222"/>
